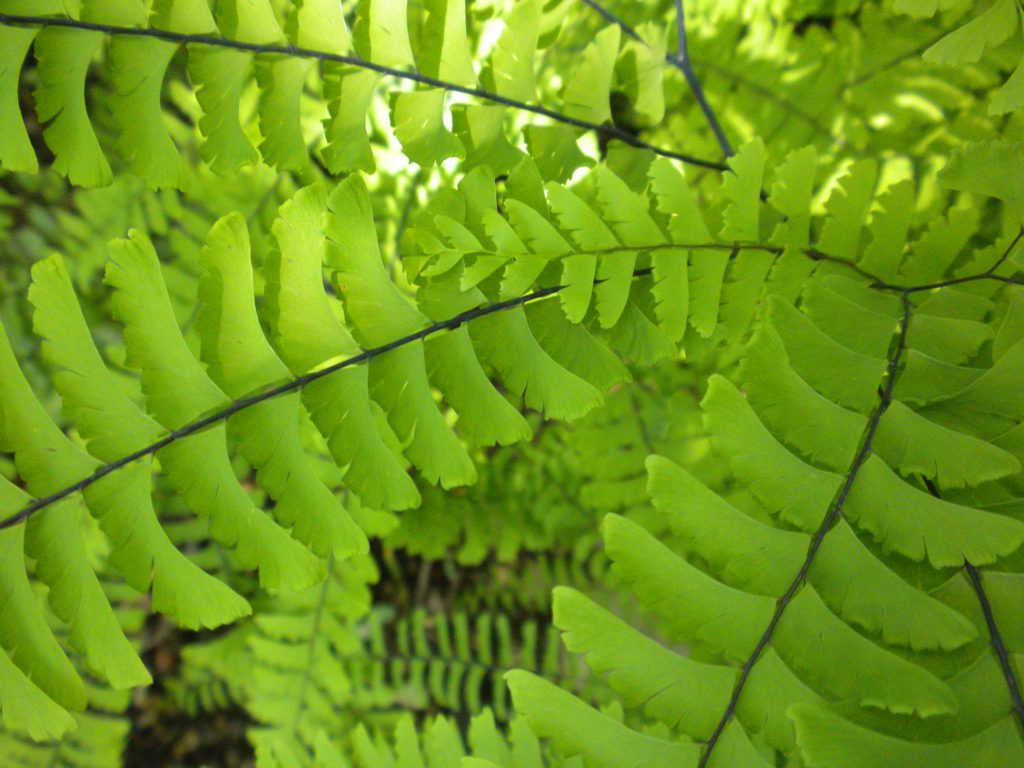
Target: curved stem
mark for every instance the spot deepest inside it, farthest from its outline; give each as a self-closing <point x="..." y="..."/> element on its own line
<point x="833" y="515"/>
<point x="293" y="385"/>
<point x="682" y="60"/>
<point x="451" y="324"/>
<point x="306" y="53"/>
<point x="996" y="641"/>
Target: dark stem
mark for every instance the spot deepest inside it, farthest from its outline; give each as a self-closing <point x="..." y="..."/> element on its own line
<point x="988" y="274"/>
<point x="996" y="639"/>
<point x="290" y="386"/>
<point x="611" y="131"/>
<point x="611" y="18"/>
<point x="682" y="61"/>
<point x="831" y="518"/>
<point x="1006" y="254"/>
<point x="948" y="283"/>
<point x="812" y="253"/>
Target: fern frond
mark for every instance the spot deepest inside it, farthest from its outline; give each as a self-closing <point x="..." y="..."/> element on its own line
<point x="112" y="426"/>
<point x="313" y="669"/>
<point x="796" y="375"/>
<point x="438" y="743"/>
<point x="94" y="736"/>
<point x="966" y="44"/>
<point x="453" y="663"/>
<point x="225" y="48"/>
<point x="248" y="393"/>
<point x="814" y="542"/>
<point x="44" y="457"/>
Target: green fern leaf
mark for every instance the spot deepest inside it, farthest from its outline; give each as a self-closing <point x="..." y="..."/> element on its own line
<point x="240" y="360"/>
<point x="512" y="60"/>
<point x="587" y="94"/>
<point x="626" y="213"/>
<point x="348" y="91"/>
<point x="178" y="391"/>
<point x="16" y="153"/>
<point x="670" y="687"/>
<point x="798" y="492"/>
<point x="966" y="44"/>
<point x="791" y="194"/>
<point x="219" y="75"/>
<point x="137" y="69"/>
<point x="992" y="169"/>
<point x="841" y="374"/>
<point x="828" y="740"/>
<point x="485" y="417"/>
<point x="26" y="709"/>
<point x="914" y="445"/>
<point x="418" y="118"/>
<point x="281" y="82"/>
<point x="507" y="342"/>
<point x="382" y="33"/>
<point x="47" y="460"/>
<point x="319" y="25"/>
<point x="481" y="131"/>
<point x="641" y="69"/>
<point x="444" y="51"/>
<point x="307" y="334"/>
<point x="888" y="229"/>
<point x="49" y="677"/>
<point x="756" y="557"/>
<point x="742" y="188"/>
<point x="63" y="57"/>
<point x="1010" y="97"/>
<point x="848" y="207"/>
<point x="822" y="431"/>
<point x="580" y="730"/>
<point x="187" y="16"/>
<point x="917" y="525"/>
<point x="672" y="281"/>
<point x="113" y="427"/>
<point x="380" y="315"/>
<point x="728" y="621"/>
<point x="589" y="232"/>
<point x="832" y="304"/>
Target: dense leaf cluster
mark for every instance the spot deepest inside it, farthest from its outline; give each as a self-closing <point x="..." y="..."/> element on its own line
<point x="514" y="383"/>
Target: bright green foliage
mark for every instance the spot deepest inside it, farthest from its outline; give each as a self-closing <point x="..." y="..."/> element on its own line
<point x="18" y="154"/>
<point x="989" y="29"/>
<point x="99" y="734"/>
<point x="586" y="93"/>
<point x="512" y="63"/>
<point x="847" y="469"/>
<point x="308" y="523"/>
<point x="494" y="384"/>
<point x="992" y="170"/>
<point x="224" y="78"/>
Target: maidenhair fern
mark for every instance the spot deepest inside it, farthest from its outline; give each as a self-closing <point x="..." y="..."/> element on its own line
<point x="236" y="44"/>
<point x="513" y="383"/>
<point x="192" y="411"/>
<point x="872" y="477"/>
